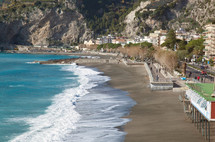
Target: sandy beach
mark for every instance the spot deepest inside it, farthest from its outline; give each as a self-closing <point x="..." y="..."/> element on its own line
<point x="158" y="115"/>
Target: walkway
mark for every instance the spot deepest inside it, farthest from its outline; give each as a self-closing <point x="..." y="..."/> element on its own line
<point x="155" y="72"/>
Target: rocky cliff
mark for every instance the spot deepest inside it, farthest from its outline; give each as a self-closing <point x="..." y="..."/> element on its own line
<point x="50" y="26"/>
<point x="166" y="14"/>
<point x="62" y="23"/>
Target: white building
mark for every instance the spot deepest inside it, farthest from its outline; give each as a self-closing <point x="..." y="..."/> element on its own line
<point x="89" y="43"/>
<point x="157" y="38"/>
<point x="130" y="41"/>
<point x="209" y="41"/>
<point x="98" y="41"/>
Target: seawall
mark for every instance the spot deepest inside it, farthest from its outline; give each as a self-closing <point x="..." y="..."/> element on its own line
<point x="157" y="85"/>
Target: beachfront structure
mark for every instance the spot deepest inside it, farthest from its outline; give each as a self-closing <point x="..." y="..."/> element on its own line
<point x="200" y="107"/>
<point x="209" y="41"/>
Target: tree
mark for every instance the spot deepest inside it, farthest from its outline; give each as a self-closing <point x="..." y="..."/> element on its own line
<point x="167" y="58"/>
<point x="37" y="3"/>
<point x="170" y="40"/>
<point x="146" y="44"/>
<point x="182" y="44"/>
<point x="181" y="54"/>
<point x="211" y="62"/>
<point x="195" y="47"/>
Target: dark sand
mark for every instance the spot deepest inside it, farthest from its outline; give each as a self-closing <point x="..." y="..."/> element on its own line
<point x="158" y="115"/>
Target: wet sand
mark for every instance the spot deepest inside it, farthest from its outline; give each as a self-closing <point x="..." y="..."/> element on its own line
<point x="158" y="115"/>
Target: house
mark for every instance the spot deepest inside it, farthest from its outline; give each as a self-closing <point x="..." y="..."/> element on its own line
<point x="158" y="37"/>
<point x="89" y="43"/>
<point x="120" y="41"/>
<point x="98" y="41"/>
<point x="22" y="48"/>
<point x="162" y="39"/>
<point x="128" y="41"/>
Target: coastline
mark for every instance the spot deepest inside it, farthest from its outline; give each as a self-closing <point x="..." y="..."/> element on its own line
<point x="158" y="115"/>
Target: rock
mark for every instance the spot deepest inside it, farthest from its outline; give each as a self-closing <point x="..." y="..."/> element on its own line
<point x="41" y="27"/>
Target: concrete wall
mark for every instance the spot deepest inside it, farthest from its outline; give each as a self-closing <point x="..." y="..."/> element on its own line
<point x="149" y="72"/>
<point x="103" y="61"/>
<point x="157" y="85"/>
<point x="161" y="85"/>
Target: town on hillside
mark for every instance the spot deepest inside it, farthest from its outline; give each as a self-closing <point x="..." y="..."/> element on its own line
<point x="158" y="38"/>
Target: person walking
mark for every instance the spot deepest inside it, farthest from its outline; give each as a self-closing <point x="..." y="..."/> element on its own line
<point x="157" y="77"/>
<point x="190" y="74"/>
<point x="198" y="77"/>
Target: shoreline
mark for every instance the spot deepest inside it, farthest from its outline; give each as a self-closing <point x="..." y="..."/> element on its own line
<point x="158" y="115"/>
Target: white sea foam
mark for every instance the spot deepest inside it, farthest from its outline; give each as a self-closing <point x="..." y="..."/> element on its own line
<point x="91" y="57"/>
<point x="60" y="118"/>
<point x="32" y="62"/>
<point x="13" y="86"/>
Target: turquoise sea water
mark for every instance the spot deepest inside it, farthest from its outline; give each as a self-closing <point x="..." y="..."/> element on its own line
<point x="58" y="103"/>
<point x="26" y="90"/>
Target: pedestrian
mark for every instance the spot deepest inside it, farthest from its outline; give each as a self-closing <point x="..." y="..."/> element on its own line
<point x="190" y="74"/>
<point x="198" y="77"/>
<point x="157" y="77"/>
<point x="201" y="79"/>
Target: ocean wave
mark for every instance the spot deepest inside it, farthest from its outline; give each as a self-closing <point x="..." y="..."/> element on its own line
<point x="14" y="86"/>
<point x="32" y="62"/>
<point x="60" y="118"/>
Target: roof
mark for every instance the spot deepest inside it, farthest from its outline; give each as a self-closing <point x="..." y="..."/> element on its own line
<point x="203" y="89"/>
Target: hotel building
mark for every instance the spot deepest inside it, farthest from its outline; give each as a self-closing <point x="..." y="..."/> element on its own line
<point x="209" y="41"/>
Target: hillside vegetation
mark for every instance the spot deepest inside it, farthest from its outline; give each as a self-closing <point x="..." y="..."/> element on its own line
<point x="106" y="16"/>
<point x="169" y="14"/>
<point x="73" y="21"/>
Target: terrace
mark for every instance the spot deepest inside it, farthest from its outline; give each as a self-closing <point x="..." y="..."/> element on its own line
<point x="203" y="89"/>
<point x="199" y="106"/>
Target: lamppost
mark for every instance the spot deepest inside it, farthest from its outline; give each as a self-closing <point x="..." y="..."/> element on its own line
<point x="213" y="95"/>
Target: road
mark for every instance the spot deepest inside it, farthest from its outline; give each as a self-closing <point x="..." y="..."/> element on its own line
<point x="196" y="73"/>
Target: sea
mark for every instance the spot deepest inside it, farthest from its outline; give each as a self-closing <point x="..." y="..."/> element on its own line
<point x="58" y="103"/>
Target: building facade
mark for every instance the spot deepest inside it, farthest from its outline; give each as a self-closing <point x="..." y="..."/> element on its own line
<point x="209" y="41"/>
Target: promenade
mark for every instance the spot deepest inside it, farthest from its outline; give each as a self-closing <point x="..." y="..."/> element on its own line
<point x="156" y="73"/>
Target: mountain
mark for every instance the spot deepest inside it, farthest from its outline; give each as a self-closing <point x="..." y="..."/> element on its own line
<point x="105" y="16"/>
<point x="43" y="24"/>
<point x="169" y="14"/>
<point x="73" y="21"/>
